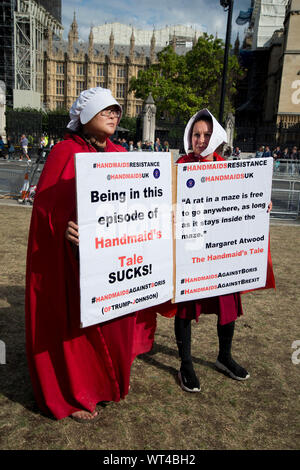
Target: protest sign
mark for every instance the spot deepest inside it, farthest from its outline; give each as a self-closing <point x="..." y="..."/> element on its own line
<point x="124" y="203"/>
<point x="222" y="227"/>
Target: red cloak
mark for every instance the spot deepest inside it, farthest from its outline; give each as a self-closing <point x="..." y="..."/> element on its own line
<point x="71" y="368"/>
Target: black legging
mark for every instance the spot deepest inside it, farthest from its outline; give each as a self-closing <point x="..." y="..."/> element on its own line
<point x="183" y="339"/>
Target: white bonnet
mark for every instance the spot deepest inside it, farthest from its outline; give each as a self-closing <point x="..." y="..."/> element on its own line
<point x="88" y="104"/>
<point x="217" y="138"/>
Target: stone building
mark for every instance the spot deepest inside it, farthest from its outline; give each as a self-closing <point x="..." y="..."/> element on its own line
<point x="289" y="92"/>
<point x="282" y="96"/>
<point x="72" y="66"/>
<point x="271" y="53"/>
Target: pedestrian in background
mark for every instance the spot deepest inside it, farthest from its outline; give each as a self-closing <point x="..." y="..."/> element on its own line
<point x="285" y="153"/>
<point x="276" y="153"/>
<point x="157" y="146"/>
<point x="2" y="147"/>
<point x="24" y="147"/>
<point x="294" y="155"/>
<point x="166" y="147"/>
<point x="259" y="152"/>
<point x="236" y="153"/>
<point x="267" y="152"/>
<point x="124" y="144"/>
<point x="10" y="148"/>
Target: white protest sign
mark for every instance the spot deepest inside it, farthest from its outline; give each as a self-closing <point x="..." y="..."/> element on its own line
<point x="124" y="203"/>
<point x="222" y="227"/>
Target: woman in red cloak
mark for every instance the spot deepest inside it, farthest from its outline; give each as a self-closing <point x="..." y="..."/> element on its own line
<point x="73" y="369"/>
<point x="203" y="134"/>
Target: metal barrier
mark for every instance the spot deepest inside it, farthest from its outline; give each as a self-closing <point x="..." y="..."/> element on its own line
<point x="14" y="174"/>
<point x="285" y="198"/>
<point x="12" y="180"/>
<point x="288" y="168"/>
<point x="285" y="186"/>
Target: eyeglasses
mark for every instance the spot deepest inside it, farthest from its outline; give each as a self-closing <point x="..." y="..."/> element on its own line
<point x="110" y="112"/>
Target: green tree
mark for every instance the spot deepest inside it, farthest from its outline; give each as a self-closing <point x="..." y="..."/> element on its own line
<point x="183" y="84"/>
<point x="130" y="124"/>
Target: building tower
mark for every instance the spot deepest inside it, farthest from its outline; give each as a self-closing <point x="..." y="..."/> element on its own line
<point x="73" y="33"/>
<point x="111" y="44"/>
<point x="132" y="44"/>
<point x="152" y="48"/>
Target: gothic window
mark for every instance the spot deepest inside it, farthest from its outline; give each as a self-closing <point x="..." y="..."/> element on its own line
<point x="120" y="90"/>
<point x="60" y="68"/>
<point x="79" y="87"/>
<point x="59" y="104"/>
<point x="80" y="69"/>
<point x="101" y="84"/>
<point x="121" y="73"/>
<point x="60" y="87"/>
<point x="138" y="109"/>
<point x="100" y="70"/>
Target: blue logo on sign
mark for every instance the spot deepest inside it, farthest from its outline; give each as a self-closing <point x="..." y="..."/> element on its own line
<point x="190" y="183"/>
<point x="156" y="173"/>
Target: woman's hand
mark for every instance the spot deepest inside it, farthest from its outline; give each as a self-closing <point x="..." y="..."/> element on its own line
<point x="71" y="233"/>
<point x="270" y="206"/>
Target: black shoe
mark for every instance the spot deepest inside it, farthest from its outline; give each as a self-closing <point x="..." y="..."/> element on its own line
<point x="189" y="381"/>
<point x="232" y="368"/>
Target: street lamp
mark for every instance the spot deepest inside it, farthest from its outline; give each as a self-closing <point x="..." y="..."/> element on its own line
<point x="228" y="6"/>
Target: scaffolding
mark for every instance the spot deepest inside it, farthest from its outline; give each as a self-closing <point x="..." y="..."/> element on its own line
<point x="53" y="7"/>
<point x="23" y="28"/>
<point x="268" y="16"/>
<point x="31" y="21"/>
<point x="6" y="50"/>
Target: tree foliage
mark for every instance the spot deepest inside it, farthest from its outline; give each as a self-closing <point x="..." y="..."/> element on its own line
<point x="183" y="84"/>
<point x="129" y="123"/>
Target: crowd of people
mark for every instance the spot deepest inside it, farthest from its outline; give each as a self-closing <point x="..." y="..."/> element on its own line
<point x="278" y="153"/>
<point x="8" y="150"/>
<point x="142" y="146"/>
<point x="286" y="159"/>
<point x="264" y="151"/>
<point x="19" y="150"/>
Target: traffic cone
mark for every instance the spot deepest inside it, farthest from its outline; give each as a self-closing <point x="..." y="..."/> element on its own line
<point x="25" y="188"/>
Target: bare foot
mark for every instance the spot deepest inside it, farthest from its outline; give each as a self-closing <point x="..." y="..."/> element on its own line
<point x="84" y="415"/>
